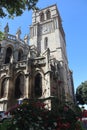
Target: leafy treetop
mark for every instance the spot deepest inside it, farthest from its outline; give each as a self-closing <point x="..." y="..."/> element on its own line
<point x="81" y="93"/>
<point x="13" y="8"/>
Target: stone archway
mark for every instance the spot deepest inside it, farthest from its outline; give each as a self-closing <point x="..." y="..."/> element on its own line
<point x="3" y="88"/>
<point x="20" y="55"/>
<point x="8" y="55"/>
<point x="38" y="85"/>
<point x="19" y="86"/>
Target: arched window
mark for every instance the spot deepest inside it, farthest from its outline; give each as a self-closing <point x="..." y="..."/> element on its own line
<point x="3" y="88"/>
<point x="42" y="17"/>
<point x="38" y="86"/>
<point x="8" y="55"/>
<point x="19" y="86"/>
<point x="20" y="54"/>
<point x="48" y="15"/>
<point x="46" y="43"/>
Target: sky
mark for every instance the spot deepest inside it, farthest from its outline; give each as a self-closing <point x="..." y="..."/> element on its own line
<point x="74" y="21"/>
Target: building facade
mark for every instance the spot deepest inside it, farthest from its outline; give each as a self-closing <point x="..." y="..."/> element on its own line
<point x="38" y="69"/>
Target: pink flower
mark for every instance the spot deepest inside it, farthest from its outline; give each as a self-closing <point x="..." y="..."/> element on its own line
<point x="66" y="108"/>
<point x="66" y="125"/>
<point x="58" y="129"/>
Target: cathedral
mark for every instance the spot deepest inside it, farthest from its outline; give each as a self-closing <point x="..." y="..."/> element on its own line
<point x="36" y="67"/>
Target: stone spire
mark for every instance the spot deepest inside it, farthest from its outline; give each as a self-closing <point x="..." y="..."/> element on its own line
<point x="18" y="33"/>
<point x="26" y="39"/>
<point x="6" y="29"/>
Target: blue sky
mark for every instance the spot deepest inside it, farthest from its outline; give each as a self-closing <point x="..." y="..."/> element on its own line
<point x="74" y="20"/>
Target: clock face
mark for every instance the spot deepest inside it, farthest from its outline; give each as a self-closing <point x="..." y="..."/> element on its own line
<point x="44" y="29"/>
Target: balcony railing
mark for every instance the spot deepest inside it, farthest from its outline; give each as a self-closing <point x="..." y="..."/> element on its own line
<point x="12" y="37"/>
<point x="39" y="61"/>
<point x="20" y="64"/>
<point x="4" y="67"/>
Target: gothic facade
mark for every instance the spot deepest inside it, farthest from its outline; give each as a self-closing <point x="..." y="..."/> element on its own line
<point x="38" y="69"/>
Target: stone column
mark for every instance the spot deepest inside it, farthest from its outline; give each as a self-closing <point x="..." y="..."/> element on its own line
<point x="26" y="39"/>
<point x="18" y="33"/>
<point x="11" y="92"/>
<point x="6" y="30"/>
<point x="48" y="73"/>
<point x="4" y="100"/>
<point x="26" y="85"/>
<point x="6" y="87"/>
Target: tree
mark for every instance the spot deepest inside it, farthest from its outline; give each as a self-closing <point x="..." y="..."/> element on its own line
<point x="81" y="93"/>
<point x="33" y="114"/>
<point x="13" y="8"/>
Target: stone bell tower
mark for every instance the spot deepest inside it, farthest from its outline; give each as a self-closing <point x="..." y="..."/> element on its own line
<point x="40" y="69"/>
<point x="46" y="31"/>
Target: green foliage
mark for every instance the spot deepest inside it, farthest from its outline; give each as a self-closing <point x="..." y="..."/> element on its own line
<point x="1" y="36"/>
<point x="5" y="124"/>
<point x="79" y="125"/>
<point x="15" y="7"/>
<point x="81" y="93"/>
